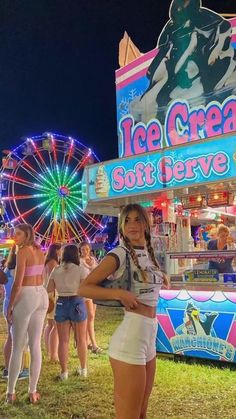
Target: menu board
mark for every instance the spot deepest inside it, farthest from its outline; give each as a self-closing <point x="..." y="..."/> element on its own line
<point x="218" y="199"/>
<point x="193" y="202"/>
<point x="201" y="275"/>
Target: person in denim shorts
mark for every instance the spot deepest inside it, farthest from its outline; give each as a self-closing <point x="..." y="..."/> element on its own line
<point x="70" y="308"/>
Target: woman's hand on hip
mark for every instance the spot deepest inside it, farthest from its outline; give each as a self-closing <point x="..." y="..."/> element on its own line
<point x="128" y="299"/>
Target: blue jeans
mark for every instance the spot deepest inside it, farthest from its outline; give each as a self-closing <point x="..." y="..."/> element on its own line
<point x="70" y="309"/>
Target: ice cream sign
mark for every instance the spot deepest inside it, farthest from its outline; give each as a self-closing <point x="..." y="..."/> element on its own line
<point x="183" y="90"/>
<point x="168" y="168"/>
<point x="182" y="125"/>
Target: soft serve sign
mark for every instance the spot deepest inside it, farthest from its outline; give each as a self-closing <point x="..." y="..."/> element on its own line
<point x="198" y="162"/>
<point x="168" y="171"/>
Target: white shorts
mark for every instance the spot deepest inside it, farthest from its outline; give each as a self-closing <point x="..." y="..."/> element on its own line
<point x="134" y="341"/>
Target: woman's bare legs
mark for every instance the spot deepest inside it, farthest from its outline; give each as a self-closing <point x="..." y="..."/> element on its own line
<point x="150" y="375"/>
<point x="53" y="343"/>
<point x="81" y="338"/>
<point x="63" y="347"/>
<point x="91" y="311"/>
<point x="47" y="332"/>
<point x="129" y="389"/>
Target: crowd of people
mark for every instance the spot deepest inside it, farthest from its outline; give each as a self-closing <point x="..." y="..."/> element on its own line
<point x="42" y="290"/>
<point x="61" y="288"/>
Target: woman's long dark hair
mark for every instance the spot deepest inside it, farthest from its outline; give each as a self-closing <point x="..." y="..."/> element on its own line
<point x="70" y="254"/>
<point x="52" y="253"/>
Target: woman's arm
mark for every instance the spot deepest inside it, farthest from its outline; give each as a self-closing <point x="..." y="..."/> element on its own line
<point x="48" y="270"/>
<point x="90" y="288"/>
<point x="51" y="285"/>
<point x="50" y="266"/>
<point x="19" y="276"/>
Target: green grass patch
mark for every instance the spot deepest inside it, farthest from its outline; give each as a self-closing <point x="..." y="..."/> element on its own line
<point x="180" y="391"/>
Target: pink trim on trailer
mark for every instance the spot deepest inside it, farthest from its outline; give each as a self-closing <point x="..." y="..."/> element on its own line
<point x="135" y="63"/>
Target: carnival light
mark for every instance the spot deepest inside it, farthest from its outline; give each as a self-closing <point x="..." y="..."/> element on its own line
<point x="44" y="188"/>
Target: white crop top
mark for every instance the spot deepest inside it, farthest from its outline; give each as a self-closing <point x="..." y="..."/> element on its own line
<point x="146" y="292"/>
<point x="91" y="267"/>
<point x="67" y="278"/>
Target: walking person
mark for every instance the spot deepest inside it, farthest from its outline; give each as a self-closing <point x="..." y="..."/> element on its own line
<point x="26" y="310"/>
<point x="90" y="263"/>
<point x="50" y="332"/>
<point x="132" y="348"/>
<point x="70" y="308"/>
<point x="9" y="270"/>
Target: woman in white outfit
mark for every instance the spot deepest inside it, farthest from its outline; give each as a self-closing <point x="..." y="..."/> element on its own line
<point x="132" y="348"/>
<point x="50" y="332"/>
<point x="90" y="263"/>
<point x="26" y="310"/>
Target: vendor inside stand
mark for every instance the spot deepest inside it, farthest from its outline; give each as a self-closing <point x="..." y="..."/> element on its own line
<point x="223" y="242"/>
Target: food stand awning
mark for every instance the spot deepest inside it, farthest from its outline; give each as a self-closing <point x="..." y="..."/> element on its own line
<point x="171" y="171"/>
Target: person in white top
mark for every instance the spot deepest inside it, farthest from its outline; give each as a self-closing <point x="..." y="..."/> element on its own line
<point x="132" y="348"/>
<point x="26" y="310"/>
<point x="50" y="332"/>
<point x="90" y="263"/>
<point x="70" y="308"/>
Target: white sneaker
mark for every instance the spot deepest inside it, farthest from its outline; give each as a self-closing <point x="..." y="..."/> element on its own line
<point x="83" y="372"/>
<point x="63" y="376"/>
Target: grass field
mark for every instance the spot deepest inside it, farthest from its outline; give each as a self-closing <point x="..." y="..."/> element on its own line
<point x="181" y="390"/>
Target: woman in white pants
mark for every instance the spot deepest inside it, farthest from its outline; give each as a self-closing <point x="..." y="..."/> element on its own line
<point x="90" y="263"/>
<point x="26" y="310"/>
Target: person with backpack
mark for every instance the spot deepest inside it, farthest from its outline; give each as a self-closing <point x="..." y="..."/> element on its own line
<point x="132" y="349"/>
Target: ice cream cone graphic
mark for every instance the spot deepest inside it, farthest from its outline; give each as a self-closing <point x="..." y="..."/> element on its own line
<point x="102" y="185"/>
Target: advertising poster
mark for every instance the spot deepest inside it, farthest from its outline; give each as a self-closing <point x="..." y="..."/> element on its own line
<point x="184" y="89"/>
<point x="199" y="324"/>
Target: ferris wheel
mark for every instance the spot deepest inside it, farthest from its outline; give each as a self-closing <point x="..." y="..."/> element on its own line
<point x="41" y="184"/>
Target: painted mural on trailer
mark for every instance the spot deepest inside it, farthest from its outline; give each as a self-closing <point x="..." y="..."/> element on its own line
<point x="184" y="89"/>
<point x="200" y="324"/>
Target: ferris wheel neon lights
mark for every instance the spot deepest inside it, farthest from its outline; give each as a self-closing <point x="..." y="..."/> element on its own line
<point x="43" y="176"/>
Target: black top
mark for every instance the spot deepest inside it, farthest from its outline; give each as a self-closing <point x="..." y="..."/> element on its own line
<point x="221" y="265"/>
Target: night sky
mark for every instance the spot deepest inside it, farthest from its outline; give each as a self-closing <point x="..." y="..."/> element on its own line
<point x="57" y="64"/>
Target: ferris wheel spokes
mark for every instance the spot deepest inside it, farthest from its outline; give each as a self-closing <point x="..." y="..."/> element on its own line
<point x="47" y="236"/>
<point x="44" y="188"/>
<point x="80" y="232"/>
<point x="22" y="197"/>
<point x="39" y="221"/>
<point x="22" y="215"/>
<point x="21" y="181"/>
<point x="90" y="221"/>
